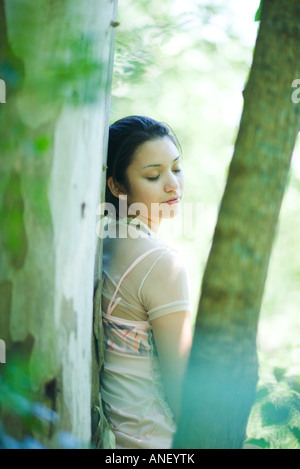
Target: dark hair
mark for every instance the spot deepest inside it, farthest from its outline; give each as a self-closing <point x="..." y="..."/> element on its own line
<point x="125" y="137"/>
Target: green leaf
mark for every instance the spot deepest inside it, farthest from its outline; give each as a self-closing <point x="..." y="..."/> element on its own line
<point x="296" y="432"/>
<point x="261" y="393"/>
<point x="279" y="373"/>
<point x="274" y="415"/>
<point x="294" y="383"/>
<point x="258" y="13"/>
<point x="260" y="442"/>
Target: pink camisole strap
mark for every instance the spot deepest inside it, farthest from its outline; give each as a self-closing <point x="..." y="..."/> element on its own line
<point x="114" y="301"/>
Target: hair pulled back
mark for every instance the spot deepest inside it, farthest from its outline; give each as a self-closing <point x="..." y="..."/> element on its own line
<point x="125" y="137"/>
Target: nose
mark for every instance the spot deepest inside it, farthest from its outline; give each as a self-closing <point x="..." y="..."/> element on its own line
<point x="172" y="183"/>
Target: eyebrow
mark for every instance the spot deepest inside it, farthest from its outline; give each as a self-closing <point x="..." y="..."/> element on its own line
<point x="157" y="165"/>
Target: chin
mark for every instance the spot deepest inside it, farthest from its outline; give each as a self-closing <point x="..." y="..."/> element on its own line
<point x="172" y="212"/>
<point x="164" y="211"/>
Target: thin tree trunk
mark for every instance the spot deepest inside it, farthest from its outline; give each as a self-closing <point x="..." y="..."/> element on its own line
<point x="102" y="436"/>
<point x="56" y="63"/>
<point x="222" y="374"/>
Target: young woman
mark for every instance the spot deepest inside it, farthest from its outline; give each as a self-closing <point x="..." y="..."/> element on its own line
<point x="145" y="298"/>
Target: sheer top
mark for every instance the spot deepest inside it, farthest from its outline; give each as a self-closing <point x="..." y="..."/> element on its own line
<point x="156" y="286"/>
<point x="143" y="279"/>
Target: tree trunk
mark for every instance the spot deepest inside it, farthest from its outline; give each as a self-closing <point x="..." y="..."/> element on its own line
<point x="222" y="374"/>
<point x="56" y="63"/>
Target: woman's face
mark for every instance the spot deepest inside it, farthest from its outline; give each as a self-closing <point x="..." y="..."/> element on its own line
<point x="155" y="182"/>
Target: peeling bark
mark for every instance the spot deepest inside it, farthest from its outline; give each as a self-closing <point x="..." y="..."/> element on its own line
<point x="56" y="62"/>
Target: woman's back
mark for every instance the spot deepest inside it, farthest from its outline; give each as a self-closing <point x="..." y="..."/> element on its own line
<point x="143" y="279"/>
<point x="145" y="299"/>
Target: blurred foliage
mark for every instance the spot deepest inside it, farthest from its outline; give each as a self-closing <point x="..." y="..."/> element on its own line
<point x="32" y="421"/>
<point x="188" y="67"/>
<point x="20" y="411"/>
<point x="186" y="63"/>
<point x="275" y="419"/>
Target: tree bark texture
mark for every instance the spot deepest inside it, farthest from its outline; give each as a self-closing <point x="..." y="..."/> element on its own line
<point x="56" y="62"/>
<point x="222" y="375"/>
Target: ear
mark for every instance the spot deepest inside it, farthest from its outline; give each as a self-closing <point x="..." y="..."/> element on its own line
<point x="115" y="188"/>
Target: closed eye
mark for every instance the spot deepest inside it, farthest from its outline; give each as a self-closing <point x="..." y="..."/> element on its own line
<point x="176" y="171"/>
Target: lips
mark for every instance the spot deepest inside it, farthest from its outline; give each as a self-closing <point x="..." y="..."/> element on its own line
<point x="173" y="200"/>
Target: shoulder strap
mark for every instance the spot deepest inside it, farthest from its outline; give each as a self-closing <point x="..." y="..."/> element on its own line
<point x="113" y="303"/>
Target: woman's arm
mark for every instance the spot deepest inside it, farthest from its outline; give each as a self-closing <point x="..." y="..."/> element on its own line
<point x="173" y="338"/>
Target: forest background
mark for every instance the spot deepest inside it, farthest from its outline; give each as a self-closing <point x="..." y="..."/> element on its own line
<point x="194" y="81"/>
<point x="184" y="63"/>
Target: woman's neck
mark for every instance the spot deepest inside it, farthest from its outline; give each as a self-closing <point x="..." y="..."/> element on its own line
<point x="153" y="225"/>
